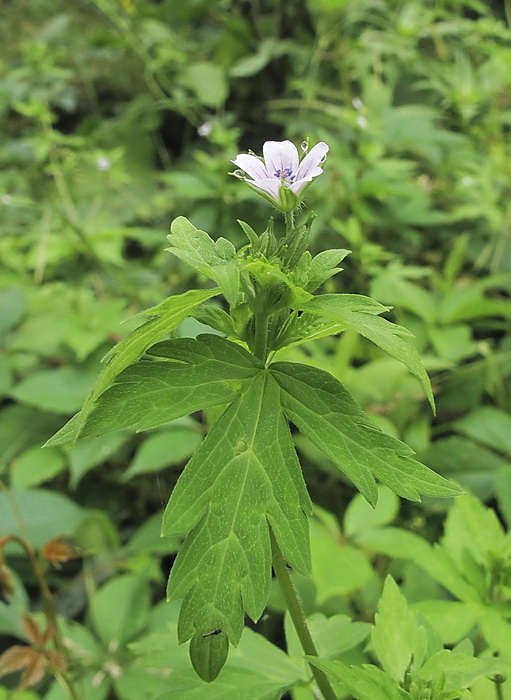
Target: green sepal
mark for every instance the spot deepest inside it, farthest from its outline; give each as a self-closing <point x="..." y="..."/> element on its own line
<point x="208" y="654"/>
<point x="249" y="232"/>
<point x="276" y="290"/>
<point x="288" y="200"/>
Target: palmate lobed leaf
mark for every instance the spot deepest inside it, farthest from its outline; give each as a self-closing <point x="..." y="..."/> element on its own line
<point x="190" y="374"/>
<point x="166" y="317"/>
<point x="361" y="313"/>
<point x="214" y="259"/>
<point x="244" y="478"/>
<point x="323" y="410"/>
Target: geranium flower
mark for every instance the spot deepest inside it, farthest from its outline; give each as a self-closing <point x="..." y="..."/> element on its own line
<point x="281" y="176"/>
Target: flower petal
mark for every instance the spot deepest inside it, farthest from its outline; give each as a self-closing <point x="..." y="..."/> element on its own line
<point x="251" y="165"/>
<point x="280" y="155"/>
<point x="270" y="185"/>
<point x="298" y="185"/>
<point x="309" y="167"/>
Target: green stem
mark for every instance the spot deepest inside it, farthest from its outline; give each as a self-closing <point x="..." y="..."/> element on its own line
<point x="261" y="337"/>
<point x="290" y="221"/>
<point x="298" y="617"/>
<point x="498" y="689"/>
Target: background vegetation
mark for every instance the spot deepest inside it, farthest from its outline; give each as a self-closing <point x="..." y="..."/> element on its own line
<point x="117" y="116"/>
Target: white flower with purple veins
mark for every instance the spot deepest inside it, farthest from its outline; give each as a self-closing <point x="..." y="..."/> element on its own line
<point x="281" y="176"/>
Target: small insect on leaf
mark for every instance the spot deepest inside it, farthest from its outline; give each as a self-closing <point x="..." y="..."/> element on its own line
<point x="208" y="653"/>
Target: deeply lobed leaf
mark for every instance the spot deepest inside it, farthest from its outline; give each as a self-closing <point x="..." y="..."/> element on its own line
<point x="323" y="409"/>
<point x="166" y="317"/>
<point x="361" y="313"/>
<point x="202" y="372"/>
<point x="244" y="478"/>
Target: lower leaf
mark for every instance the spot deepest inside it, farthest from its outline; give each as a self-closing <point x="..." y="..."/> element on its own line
<point x="244" y="476"/>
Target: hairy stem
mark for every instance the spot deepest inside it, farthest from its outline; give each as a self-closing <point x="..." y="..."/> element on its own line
<point x="290" y="221"/>
<point x="298" y="617"/>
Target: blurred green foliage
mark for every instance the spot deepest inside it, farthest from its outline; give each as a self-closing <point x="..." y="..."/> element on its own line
<point x="119" y="115"/>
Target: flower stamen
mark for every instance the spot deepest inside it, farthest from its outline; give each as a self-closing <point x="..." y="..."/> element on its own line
<point x="284" y="174"/>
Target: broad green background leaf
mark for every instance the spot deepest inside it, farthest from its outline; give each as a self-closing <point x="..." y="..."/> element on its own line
<point x="13" y="306"/>
<point x="162" y="449"/>
<point x="166" y="317"/>
<point x="11" y="611"/>
<point x="92" y="451"/>
<point x="338" y="568"/>
<point x="434" y="560"/>
<point x="256" y="668"/>
<point x="323" y="410"/>
<point x="472" y="465"/>
<point x="360" y="516"/>
<point x="61" y="390"/>
<point x="488" y="425"/>
<point x="38" y="515"/>
<point x="120" y="608"/>
<point x="207" y="81"/>
<point x="35" y="466"/>
<point x="191" y="374"/>
<point x="244" y="476"/>
<point x="360" y="313"/>
<point x="332" y="635"/>
<point x="451" y="619"/>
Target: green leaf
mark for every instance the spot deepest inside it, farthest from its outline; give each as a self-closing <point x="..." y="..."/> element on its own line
<point x="332" y="636"/>
<point x="13" y="306"/>
<point x="359" y="515"/>
<point x="191" y="374"/>
<point x="35" y="466"/>
<point x="163" y="449"/>
<point x="473" y="466"/>
<point x="364" y="682"/>
<point x="166" y="317"/>
<point x="435" y="561"/>
<point x="451" y="619"/>
<point x="337" y="567"/>
<point x="214" y="259"/>
<point x="61" y="390"/>
<point x="244" y="477"/>
<point x="208" y="82"/>
<point x="120" y="609"/>
<point x="323" y="410"/>
<point x="488" y="425"/>
<point x="255" y="670"/>
<point x="459" y="670"/>
<point x="310" y="273"/>
<point x="359" y="312"/>
<point x="395" y="632"/>
<point x="91" y="451"/>
<point x="38" y="515"/>
<point x="209" y="654"/>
